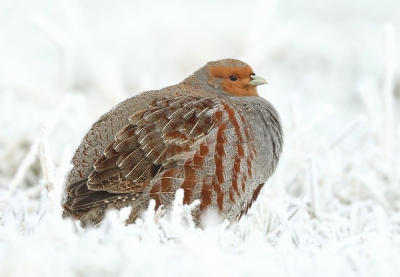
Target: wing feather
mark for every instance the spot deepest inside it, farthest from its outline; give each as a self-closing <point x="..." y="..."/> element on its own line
<point x="156" y="139"/>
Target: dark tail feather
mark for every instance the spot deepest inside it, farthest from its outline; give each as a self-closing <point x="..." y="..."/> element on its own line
<point x="74" y="185"/>
<point x="83" y="190"/>
<point x="79" y="188"/>
<point x="97" y="198"/>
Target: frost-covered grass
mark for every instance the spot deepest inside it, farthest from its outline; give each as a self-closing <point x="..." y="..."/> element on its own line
<point x="331" y="209"/>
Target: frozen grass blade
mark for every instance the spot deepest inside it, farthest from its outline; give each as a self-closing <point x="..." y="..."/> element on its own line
<point x="46" y="160"/>
<point x="313" y="187"/>
<point x="29" y="159"/>
<point x="176" y="216"/>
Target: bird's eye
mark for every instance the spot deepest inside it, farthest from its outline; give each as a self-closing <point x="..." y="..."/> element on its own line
<point x="233" y="78"/>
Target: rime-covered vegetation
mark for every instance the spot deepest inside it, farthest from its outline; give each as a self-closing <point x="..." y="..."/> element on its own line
<point x="331" y="209"/>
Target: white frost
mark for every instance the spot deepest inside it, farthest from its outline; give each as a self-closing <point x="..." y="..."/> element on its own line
<point x="331" y="208"/>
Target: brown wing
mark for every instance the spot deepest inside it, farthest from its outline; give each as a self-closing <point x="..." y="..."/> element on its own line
<point x="150" y="144"/>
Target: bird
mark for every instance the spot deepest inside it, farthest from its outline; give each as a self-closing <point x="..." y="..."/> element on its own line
<point x="211" y="135"/>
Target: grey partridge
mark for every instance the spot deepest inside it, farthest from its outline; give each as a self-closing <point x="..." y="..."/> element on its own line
<point x="210" y="135"/>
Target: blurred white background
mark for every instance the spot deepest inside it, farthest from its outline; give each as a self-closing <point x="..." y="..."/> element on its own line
<point x="332" y="67"/>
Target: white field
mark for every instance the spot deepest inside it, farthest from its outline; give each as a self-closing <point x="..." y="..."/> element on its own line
<point x="331" y="209"/>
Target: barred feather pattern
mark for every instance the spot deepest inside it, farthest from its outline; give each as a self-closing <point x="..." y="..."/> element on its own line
<point x="202" y="145"/>
<point x="213" y="137"/>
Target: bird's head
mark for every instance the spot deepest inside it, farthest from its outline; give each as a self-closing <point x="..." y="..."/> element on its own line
<point x="234" y="77"/>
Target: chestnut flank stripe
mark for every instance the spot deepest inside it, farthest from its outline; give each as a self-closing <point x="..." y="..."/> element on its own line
<point x="189" y="182"/>
<point x="239" y="148"/>
<point x="219" y="166"/>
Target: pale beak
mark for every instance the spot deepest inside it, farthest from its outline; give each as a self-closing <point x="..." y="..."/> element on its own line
<point x="257" y="80"/>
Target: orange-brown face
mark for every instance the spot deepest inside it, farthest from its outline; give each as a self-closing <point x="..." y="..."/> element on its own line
<point x="234" y="80"/>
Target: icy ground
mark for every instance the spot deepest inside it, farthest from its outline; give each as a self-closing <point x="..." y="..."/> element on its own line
<point x="331" y="209"/>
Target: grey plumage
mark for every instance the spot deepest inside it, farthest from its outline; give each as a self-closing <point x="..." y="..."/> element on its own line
<point x="211" y="136"/>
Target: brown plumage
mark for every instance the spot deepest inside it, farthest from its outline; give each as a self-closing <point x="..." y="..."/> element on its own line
<point x="211" y="135"/>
